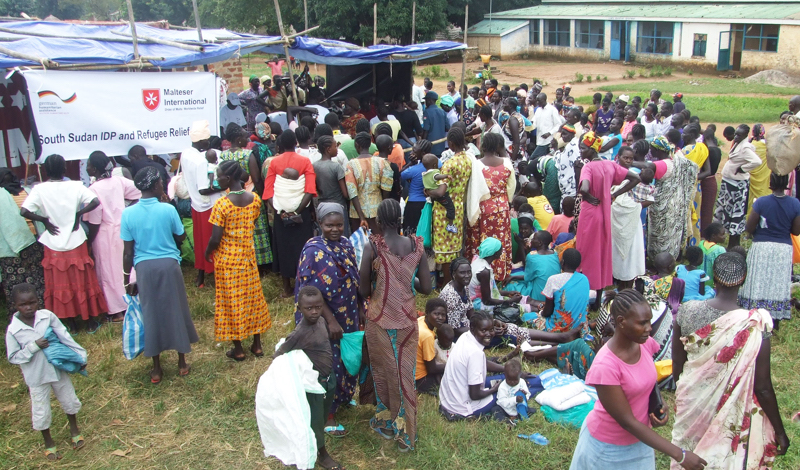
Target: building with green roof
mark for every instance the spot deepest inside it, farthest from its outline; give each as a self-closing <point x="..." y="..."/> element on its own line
<point x="726" y="35"/>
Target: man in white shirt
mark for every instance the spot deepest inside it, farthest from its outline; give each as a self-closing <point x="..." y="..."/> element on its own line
<point x="231" y="112"/>
<point x="547" y="121"/>
<point x="666" y="119"/>
<point x="418" y="96"/>
<point x="195" y="175"/>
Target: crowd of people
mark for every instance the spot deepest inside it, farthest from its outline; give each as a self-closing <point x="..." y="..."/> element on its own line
<point x="580" y="232"/>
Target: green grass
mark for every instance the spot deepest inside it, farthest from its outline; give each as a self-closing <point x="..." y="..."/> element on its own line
<point x="206" y="420"/>
<point x="727" y="109"/>
<point x="721" y="86"/>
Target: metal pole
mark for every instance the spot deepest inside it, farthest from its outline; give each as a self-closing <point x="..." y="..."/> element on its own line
<point x="305" y="9"/>
<point x="464" y="57"/>
<point x="414" y="24"/>
<point x="285" y="50"/>
<point x="199" y="28"/>
<point x="375" y="23"/>
<point x="133" y="30"/>
<point x="490" y="15"/>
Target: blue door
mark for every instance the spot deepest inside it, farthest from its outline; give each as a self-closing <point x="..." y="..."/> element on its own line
<point x="616" y="40"/>
<point x="724" y="56"/>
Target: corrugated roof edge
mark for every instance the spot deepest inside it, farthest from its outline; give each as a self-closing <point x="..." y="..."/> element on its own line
<point x="499" y="27"/>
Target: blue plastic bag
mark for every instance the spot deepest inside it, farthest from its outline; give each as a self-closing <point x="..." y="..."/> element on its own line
<point x="132" y="329"/>
<point x="351" y="347"/>
<point x="62" y="357"/>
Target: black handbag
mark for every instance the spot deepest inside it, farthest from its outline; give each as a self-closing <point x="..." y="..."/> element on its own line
<point x="508" y="314"/>
<point x="656" y="404"/>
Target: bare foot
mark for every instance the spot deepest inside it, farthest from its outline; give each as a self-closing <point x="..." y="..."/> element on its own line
<point x="325" y="460"/>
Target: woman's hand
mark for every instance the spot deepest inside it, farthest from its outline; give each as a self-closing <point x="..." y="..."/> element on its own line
<point x="591" y="199"/>
<point x="209" y="256"/>
<point x="655" y="422"/>
<point x="51" y="228"/>
<point x="783" y="443"/>
<point x="42" y="343"/>
<point x="515" y="298"/>
<point x="132" y="289"/>
<point x="363" y="224"/>
<point x="693" y="462"/>
<point x="77" y="222"/>
<point x="335" y="331"/>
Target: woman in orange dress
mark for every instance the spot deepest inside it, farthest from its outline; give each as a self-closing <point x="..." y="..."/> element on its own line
<point x="352" y="115"/>
<point x="240" y="308"/>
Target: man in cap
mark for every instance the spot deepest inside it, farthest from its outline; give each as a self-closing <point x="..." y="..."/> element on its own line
<point x="266" y="82"/>
<point x="678" y="106"/>
<point x="231" y="113"/>
<point x="435" y="125"/>
<point x="622" y="101"/>
<point x="249" y="99"/>
<point x="203" y="196"/>
<point x="447" y="106"/>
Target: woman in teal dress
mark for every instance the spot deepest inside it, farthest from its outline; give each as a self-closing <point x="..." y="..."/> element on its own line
<point x="540" y="264"/>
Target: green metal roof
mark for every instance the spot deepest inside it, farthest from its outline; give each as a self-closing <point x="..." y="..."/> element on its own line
<point x="779" y="13"/>
<point x="496" y="26"/>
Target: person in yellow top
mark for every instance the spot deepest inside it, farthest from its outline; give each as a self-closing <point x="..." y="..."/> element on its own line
<point x="698" y="153"/>
<point x="759" y="178"/>
<point x="542" y="211"/>
<point x="429" y="370"/>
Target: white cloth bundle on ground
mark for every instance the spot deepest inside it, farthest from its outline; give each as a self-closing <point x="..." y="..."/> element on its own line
<point x="564" y="397"/>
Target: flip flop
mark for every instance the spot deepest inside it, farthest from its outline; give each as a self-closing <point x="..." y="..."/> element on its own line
<point x="94" y="330"/>
<point x="185" y="372"/>
<point x="257" y="354"/>
<point x="154" y="381"/>
<point x="78" y="442"/>
<point x="373" y="425"/>
<point x="52" y="452"/>
<point x="335" y="431"/>
<point x="235" y="358"/>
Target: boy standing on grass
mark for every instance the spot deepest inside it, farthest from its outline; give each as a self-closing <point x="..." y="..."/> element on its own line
<point x="311" y="336"/>
<point x="25" y="343"/>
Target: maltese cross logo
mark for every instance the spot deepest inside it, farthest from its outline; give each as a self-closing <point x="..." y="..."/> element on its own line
<point x="151" y="98"/>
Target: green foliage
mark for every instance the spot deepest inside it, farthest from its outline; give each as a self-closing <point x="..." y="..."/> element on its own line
<point x="589" y="78"/>
<point x="597" y="78"/>
<point x="435" y="71"/>
<point x="690" y="72"/>
<point x="717" y="86"/>
<point x="578" y="77"/>
<point x="631" y="73"/>
<point x="15" y="7"/>
<point x="605" y="77"/>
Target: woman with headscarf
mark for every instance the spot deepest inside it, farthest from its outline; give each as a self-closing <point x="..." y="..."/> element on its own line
<point x="71" y="287"/>
<point x="240" y="310"/>
<point x="328" y="262"/>
<point x="668" y="217"/>
<point x="20" y="254"/>
<point x="152" y="232"/>
<point x="696" y="150"/>
<point x="392" y="327"/>
<point x="759" y="178"/>
<point x="491" y="186"/>
<point x="735" y="187"/>
<point x="104" y="225"/>
<point x="593" y="239"/>
<point x="725" y="405"/>
<point x="351" y="116"/>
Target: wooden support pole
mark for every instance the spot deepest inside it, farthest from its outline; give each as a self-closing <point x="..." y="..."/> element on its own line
<point x="165" y="42"/>
<point x="375" y="23"/>
<point x="305" y="10"/>
<point x="19" y="55"/>
<point x="414" y="23"/>
<point x="285" y="50"/>
<point x="464" y="58"/>
<point x="133" y="30"/>
<point x="199" y="28"/>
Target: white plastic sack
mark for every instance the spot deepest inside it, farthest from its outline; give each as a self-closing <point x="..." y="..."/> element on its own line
<point x="783" y="148"/>
<point x="282" y="411"/>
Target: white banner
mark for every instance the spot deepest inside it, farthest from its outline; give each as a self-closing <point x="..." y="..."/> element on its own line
<point x="77" y="113"/>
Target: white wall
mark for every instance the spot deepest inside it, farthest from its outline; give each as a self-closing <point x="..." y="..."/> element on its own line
<point x="515" y="42"/>
<point x="712" y="30"/>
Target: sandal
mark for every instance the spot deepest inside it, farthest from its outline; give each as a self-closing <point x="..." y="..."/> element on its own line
<point x="185" y="372"/>
<point x="78" y="442"/>
<point x="235" y="358"/>
<point x="154" y="381"/>
<point x="403" y="447"/>
<point x="257" y="352"/>
<point x="373" y="424"/>
<point x="335" y="431"/>
<point x="52" y="454"/>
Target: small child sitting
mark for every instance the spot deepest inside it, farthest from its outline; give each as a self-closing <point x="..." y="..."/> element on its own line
<point x="713" y="237"/>
<point x="25" y="344"/>
<point x="694" y="276"/>
<point x="431" y="181"/>
<point x="211" y="158"/>
<point x="645" y="192"/>
<point x="444" y="342"/>
<point x="513" y="394"/>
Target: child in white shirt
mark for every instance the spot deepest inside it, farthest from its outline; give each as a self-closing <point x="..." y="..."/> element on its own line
<point x="513" y="394"/>
<point x="25" y="343"/>
<point x="444" y="342"/>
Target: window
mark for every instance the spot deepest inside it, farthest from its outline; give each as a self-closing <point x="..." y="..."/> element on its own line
<point x="556" y="32"/>
<point x="590" y="34"/>
<point x="699" y="49"/>
<point x="655" y="37"/>
<point x="761" y="37"/>
<point x="535" y="32"/>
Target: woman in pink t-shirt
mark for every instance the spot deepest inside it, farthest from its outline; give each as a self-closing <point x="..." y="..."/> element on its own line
<point x="617" y="433"/>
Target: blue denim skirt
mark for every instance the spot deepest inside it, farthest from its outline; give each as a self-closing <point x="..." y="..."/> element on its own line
<point x="591" y="454"/>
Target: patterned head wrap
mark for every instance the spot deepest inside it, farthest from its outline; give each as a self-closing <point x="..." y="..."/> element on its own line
<point x="730" y="269"/>
<point x="661" y="143"/>
<point x="568" y="127"/>
<point x="489" y="247"/>
<point x="146" y="178"/>
<point x="263" y="130"/>
<point x="592" y="141"/>
<point x="481" y="102"/>
<point x="325" y="209"/>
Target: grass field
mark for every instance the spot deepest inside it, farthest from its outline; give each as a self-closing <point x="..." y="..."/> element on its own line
<point x="206" y="420"/>
<point x="699" y="85"/>
<point x="728" y="109"/>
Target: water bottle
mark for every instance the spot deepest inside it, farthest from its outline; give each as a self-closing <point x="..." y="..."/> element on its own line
<point x="535" y="438"/>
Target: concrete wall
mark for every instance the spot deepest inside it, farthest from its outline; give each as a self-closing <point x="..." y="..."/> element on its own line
<point x="485" y="44"/>
<point x="787" y="57"/>
<point x="712" y="30"/>
<point x="514" y="43"/>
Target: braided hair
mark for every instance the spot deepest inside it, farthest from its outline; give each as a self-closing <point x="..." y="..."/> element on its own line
<point x="389" y="214"/>
<point x="455" y="137"/>
<point x="479" y="316"/>
<point x="424" y="146"/>
<point x="231" y="169"/>
<point x="302" y="134"/>
<point x="730" y="269"/>
<point x="55" y="166"/>
<point x="456" y="263"/>
<point x="623" y="301"/>
<point x="324" y="142"/>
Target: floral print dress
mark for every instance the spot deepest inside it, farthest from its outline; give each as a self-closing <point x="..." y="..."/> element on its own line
<point x="447" y="245"/>
<point x="494" y="220"/>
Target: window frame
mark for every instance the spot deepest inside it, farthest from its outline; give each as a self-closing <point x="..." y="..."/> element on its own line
<point x="645" y="40"/>
<point x="535" y="32"/>
<point x="559" y="33"/>
<point x="703" y="41"/>
<point x="590" y="36"/>
<point x="762" y="39"/>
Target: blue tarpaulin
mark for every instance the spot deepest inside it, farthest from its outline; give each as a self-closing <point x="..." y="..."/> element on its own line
<point x="69" y="43"/>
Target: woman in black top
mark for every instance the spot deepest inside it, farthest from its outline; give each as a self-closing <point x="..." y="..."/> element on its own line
<point x="708" y="185"/>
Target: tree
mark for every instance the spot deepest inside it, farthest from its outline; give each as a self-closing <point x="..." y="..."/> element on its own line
<point x="478" y="9"/>
<point x="15" y="7"/>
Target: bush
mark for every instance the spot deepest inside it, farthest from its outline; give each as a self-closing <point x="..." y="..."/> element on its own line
<point x="605" y="77"/>
<point x="589" y="78"/>
<point x="668" y="71"/>
<point x="690" y="72"/>
<point x="597" y="78"/>
<point x="434" y="71"/>
<point x="578" y="77"/>
<point x="631" y="73"/>
<point x="642" y="72"/>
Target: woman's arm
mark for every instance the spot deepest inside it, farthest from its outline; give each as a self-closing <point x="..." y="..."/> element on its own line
<point x="678" y="351"/>
<point x="616" y="404"/>
<point x="752" y="223"/>
<point x="632" y="179"/>
<point x="705" y="171"/>
<point x="477" y="392"/>
<point x="365" y="272"/>
<point x="40" y="218"/>
<point x="486" y="289"/>
<point x="643" y="165"/>
<point x="360" y="213"/>
<point x="796" y="226"/>
<point x="513" y="124"/>
<point x="609" y="145"/>
<point x="424" y="276"/>
<point x="255" y="173"/>
<point x="87" y="208"/>
<point x="765" y="393"/>
<point x="549" y="306"/>
<point x="93" y="230"/>
<point x="433" y="367"/>
<point x="213" y="243"/>
<point x="127" y="265"/>
<point x="587" y="196"/>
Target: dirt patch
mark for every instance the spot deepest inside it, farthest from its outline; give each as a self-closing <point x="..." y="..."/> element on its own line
<point x="774" y="78"/>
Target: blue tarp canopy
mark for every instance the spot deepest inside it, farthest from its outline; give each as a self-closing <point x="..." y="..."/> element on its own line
<point x="70" y="43"/>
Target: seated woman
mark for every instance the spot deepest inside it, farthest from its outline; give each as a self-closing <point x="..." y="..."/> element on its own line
<point x="567" y="296"/>
<point x="694" y="276"/>
<point x="522" y="229"/>
<point x="539" y="266"/>
<point x="455" y="295"/>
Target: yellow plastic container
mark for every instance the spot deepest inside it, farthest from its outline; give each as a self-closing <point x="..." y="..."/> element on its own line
<point x="664" y="369"/>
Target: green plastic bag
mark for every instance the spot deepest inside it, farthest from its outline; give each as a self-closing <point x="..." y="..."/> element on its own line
<point x="187" y="247"/>
<point x="572" y="417"/>
<point x="350" y="345"/>
<point x="425" y="223"/>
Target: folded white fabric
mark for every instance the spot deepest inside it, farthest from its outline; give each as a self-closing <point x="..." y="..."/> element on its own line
<point x="564" y="397"/>
<point x="288" y="193"/>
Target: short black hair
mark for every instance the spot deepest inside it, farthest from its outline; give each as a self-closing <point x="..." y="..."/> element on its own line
<point x="712" y="229"/>
<point x="287" y="140"/>
<point x="332" y="120"/>
<point x="492" y="143"/>
<point x="693" y="255"/>
<point x="232" y="169"/>
<point x="307" y="291"/>
<point x="383" y="129"/>
<point x="363" y="141"/>
<point x="571" y="258"/>
<point x="435" y="303"/>
<point x="384" y="143"/>
<point x="137" y="151"/>
<point x="22" y="288"/>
